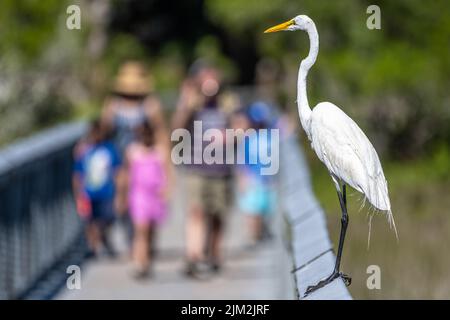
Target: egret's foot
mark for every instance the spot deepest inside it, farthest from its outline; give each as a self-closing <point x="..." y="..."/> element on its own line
<point x="347" y="280"/>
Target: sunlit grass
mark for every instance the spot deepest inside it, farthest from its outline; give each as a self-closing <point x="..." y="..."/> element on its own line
<point x="418" y="265"/>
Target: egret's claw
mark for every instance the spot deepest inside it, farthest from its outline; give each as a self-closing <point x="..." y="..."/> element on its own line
<point x="345" y="278"/>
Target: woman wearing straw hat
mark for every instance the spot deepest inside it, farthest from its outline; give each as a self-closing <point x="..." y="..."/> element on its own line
<point x="131" y="104"/>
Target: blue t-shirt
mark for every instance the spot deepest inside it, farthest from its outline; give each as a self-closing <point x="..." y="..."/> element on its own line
<point x="97" y="166"/>
<point x="251" y="147"/>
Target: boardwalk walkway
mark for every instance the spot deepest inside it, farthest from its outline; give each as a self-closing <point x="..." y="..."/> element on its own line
<point x="247" y="274"/>
<point x="301" y="243"/>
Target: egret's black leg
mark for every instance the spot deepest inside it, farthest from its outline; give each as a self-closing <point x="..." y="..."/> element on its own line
<point x="344" y="223"/>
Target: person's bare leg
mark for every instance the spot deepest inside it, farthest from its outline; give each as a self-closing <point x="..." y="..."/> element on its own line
<point x="93" y="237"/>
<point x="140" y="248"/>
<point x="150" y="243"/>
<point x="105" y="229"/>
<point x="195" y="234"/>
<point x="216" y="242"/>
<point x="152" y="247"/>
<point x="255" y="227"/>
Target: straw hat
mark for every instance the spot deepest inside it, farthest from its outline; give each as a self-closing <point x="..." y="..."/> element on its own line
<point x="133" y="79"/>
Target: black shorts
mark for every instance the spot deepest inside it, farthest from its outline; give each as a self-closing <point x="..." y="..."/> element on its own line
<point x="102" y="210"/>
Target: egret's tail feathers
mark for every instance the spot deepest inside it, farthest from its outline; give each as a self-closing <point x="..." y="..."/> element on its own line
<point x="391" y="220"/>
<point x="378" y="195"/>
<point x="370" y="231"/>
<point x="392" y="223"/>
<point x="379" y="198"/>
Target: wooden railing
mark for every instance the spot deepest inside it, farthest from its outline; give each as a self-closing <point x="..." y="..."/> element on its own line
<point x="309" y="245"/>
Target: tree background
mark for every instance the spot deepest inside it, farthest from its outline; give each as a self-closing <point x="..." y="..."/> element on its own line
<point x="394" y="81"/>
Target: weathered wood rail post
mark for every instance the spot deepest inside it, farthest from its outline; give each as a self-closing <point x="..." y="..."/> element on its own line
<point x="309" y="244"/>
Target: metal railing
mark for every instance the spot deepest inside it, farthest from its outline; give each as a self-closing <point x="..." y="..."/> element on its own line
<point x="38" y="222"/>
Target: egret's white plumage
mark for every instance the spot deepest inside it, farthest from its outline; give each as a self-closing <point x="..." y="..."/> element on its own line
<point x="347" y="153"/>
<point x="337" y="140"/>
<point x="340" y="144"/>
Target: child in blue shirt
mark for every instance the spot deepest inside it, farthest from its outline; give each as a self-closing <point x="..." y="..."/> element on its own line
<point x="96" y="164"/>
<point x="256" y="194"/>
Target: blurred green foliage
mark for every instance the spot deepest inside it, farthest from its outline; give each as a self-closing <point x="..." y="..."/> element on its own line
<point x="27" y="27"/>
<point x="39" y="66"/>
<point x="394" y="81"/>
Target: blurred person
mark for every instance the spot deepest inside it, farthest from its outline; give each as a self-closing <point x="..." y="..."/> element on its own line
<point x="95" y="168"/>
<point x="131" y="104"/>
<point x="256" y="193"/>
<point x="208" y="184"/>
<point x="267" y="80"/>
<point x="268" y="89"/>
<point x="146" y="173"/>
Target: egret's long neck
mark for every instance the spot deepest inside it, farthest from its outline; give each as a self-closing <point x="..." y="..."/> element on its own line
<point x="302" y="98"/>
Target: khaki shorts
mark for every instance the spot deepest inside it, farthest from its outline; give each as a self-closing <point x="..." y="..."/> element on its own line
<point x="212" y="194"/>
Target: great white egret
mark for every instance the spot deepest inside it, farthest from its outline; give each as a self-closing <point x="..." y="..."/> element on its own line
<point x="340" y="144"/>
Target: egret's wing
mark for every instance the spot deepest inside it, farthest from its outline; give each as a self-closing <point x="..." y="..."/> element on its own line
<point x="348" y="154"/>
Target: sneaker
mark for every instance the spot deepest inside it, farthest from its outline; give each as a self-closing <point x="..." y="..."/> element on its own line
<point x="141" y="274"/>
<point x="196" y="270"/>
<point x="215" y="267"/>
<point x="110" y="252"/>
<point x="91" y="254"/>
<point x="190" y="270"/>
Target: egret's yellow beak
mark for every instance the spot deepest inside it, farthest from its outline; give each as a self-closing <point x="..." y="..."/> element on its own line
<point x="280" y="27"/>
